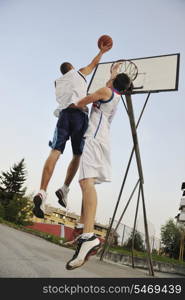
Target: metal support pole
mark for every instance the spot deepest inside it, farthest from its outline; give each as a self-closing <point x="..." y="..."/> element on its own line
<point x="122" y="240"/>
<point x="150" y="265"/>
<point x="134" y="228"/>
<point x="140" y="171"/>
<point x="134" y="136"/>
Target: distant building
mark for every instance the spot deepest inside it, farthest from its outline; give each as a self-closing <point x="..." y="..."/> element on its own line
<point x="55" y="215"/>
<point x="181" y="216"/>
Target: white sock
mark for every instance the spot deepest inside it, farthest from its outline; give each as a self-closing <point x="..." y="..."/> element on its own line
<point x="65" y="187"/>
<point x="79" y="225"/>
<point x="87" y="235"/>
<point x="43" y="193"/>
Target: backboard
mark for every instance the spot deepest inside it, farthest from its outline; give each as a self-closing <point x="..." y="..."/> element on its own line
<point x="155" y="74"/>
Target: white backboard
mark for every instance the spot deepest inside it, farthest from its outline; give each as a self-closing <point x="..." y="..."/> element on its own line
<point x="155" y="74"/>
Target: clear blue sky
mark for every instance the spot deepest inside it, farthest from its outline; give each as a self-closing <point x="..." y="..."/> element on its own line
<point x="36" y="37"/>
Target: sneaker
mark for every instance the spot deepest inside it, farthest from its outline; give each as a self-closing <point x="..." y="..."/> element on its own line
<point x="85" y="248"/>
<point x="62" y="196"/>
<point x="38" y="210"/>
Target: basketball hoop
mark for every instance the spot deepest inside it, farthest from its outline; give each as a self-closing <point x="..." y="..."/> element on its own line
<point x="127" y="67"/>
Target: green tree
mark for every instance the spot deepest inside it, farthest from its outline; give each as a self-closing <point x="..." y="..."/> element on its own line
<point x="138" y="242"/>
<point x="19" y="210"/>
<point x="12" y="181"/>
<point x="170" y="237"/>
<point x="17" y="207"/>
<point x="2" y="212"/>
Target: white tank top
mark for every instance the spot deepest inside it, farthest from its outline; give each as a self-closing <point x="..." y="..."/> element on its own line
<point x="102" y="113"/>
<point x="70" y="88"/>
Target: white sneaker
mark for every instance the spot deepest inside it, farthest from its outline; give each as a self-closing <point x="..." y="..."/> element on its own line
<point x="62" y="196"/>
<point x="39" y="202"/>
<point x="85" y="248"/>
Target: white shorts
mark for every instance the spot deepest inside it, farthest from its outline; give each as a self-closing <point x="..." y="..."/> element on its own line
<point x="95" y="161"/>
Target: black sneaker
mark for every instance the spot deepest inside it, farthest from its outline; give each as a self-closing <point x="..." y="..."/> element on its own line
<point x="62" y="196"/>
<point x="85" y="248"/>
<point x="38" y="210"/>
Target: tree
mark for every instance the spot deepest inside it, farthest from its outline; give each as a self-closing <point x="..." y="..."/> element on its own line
<point x="11" y="181"/>
<point x="170" y="237"/>
<point x="19" y="210"/>
<point x="138" y="242"/>
<point x="16" y="207"/>
<point x="2" y="212"/>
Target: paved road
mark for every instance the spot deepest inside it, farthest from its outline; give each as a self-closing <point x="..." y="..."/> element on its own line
<point x="23" y="255"/>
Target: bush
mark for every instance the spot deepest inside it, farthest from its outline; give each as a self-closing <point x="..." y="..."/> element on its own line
<point x="138" y="242"/>
<point x="2" y="211"/>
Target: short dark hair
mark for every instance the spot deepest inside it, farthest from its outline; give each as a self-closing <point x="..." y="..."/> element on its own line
<point x="65" y="67"/>
<point x="122" y="82"/>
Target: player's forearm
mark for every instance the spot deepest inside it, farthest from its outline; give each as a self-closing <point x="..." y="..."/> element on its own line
<point x="96" y="59"/>
<point x="84" y="101"/>
<point x="87" y="70"/>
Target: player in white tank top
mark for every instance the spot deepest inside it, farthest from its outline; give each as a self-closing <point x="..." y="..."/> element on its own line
<point x="70" y="88"/>
<point x="95" y="161"/>
<point x="101" y="115"/>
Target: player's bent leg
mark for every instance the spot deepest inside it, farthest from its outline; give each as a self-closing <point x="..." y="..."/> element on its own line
<point x="49" y="168"/>
<point x="88" y="244"/>
<point x="89" y="203"/>
<point x="40" y="198"/>
<point x="62" y="193"/>
<point x="72" y="169"/>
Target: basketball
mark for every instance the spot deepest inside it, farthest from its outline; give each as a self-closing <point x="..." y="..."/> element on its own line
<point x="106" y="40"/>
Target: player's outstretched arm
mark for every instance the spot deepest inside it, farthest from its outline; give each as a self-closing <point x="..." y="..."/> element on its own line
<point x="89" y="68"/>
<point x="101" y="94"/>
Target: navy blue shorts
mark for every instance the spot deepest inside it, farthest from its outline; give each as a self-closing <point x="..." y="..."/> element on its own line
<point x="72" y="123"/>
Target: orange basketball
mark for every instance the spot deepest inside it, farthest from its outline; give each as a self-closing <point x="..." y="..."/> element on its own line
<point x="106" y="40"/>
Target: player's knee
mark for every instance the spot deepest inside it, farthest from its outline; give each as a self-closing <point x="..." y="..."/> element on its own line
<point x="86" y="183"/>
<point x="76" y="157"/>
<point x="54" y="155"/>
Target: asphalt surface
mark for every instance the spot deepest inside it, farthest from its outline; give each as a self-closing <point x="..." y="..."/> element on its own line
<point x="23" y="255"/>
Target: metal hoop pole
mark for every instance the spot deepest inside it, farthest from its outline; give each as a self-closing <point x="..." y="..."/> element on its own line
<point x="134" y="228"/>
<point x="134" y="136"/>
<point x="139" y="166"/>
<point x="150" y="265"/>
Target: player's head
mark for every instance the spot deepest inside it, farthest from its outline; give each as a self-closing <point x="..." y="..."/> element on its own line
<point x="66" y="67"/>
<point x="121" y="83"/>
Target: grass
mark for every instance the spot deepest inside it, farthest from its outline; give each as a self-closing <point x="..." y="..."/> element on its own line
<point x="139" y="254"/>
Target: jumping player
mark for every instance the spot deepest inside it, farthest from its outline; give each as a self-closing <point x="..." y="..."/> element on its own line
<point x="95" y="161"/>
<point x="72" y="123"/>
